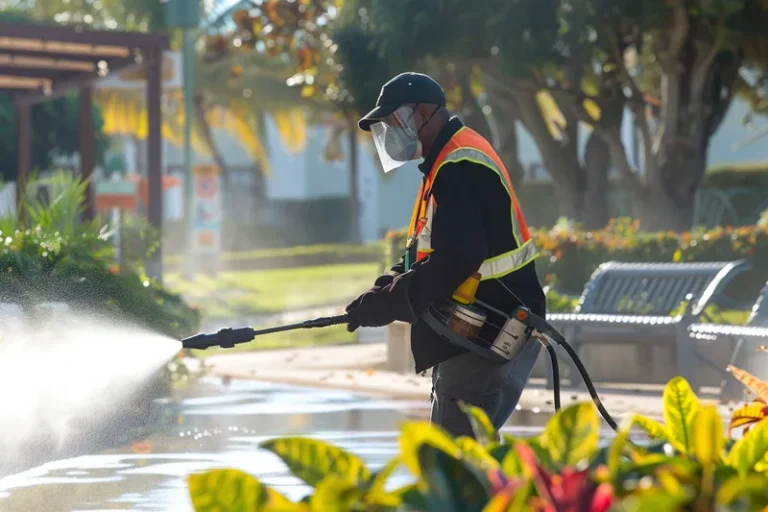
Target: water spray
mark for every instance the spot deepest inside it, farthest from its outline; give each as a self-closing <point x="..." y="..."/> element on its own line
<point x="462" y="320"/>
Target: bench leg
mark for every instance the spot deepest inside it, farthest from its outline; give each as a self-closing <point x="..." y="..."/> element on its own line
<point x="686" y="359"/>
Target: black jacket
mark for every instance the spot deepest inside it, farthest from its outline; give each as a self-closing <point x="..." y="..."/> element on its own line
<point x="472" y="223"/>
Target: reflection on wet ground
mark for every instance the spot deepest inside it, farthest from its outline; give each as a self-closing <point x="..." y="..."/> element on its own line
<point x="218" y="425"/>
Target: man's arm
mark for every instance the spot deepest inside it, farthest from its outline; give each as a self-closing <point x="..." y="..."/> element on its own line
<point x="458" y="237"/>
<point x="460" y="247"/>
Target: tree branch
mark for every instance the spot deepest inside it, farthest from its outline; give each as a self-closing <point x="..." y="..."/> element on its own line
<point x="677" y="33"/>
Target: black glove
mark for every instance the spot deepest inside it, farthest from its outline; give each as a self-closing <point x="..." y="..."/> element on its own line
<point x="382" y="305"/>
<point x="380" y="283"/>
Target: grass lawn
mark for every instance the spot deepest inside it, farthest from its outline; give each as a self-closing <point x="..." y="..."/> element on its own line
<point x="239" y="294"/>
<point x="236" y="294"/>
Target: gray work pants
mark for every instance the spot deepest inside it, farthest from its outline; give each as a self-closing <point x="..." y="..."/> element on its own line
<point x="472" y="379"/>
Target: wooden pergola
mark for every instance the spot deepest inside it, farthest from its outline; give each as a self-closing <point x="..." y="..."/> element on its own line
<point x="40" y="62"/>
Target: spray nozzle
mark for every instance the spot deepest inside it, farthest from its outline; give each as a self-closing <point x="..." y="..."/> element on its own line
<point x="225" y="338"/>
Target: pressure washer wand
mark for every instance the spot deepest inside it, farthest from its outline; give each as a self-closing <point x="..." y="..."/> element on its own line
<point x="228" y="337"/>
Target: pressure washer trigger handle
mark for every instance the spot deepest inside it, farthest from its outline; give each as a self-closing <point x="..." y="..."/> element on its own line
<point x="326" y="321"/>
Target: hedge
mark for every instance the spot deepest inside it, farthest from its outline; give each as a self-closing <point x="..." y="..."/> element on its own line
<point x="569" y="255"/>
<point x="539" y="201"/>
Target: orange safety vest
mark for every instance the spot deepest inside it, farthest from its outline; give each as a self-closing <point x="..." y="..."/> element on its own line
<point x="466" y="144"/>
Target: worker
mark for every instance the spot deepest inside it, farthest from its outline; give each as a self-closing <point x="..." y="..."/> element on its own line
<point x="466" y="219"/>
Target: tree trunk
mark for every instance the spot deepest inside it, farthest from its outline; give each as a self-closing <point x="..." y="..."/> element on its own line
<point x="559" y="157"/>
<point x="505" y="114"/>
<point x="354" y="193"/>
<point x="471" y="111"/>
<point x="597" y="163"/>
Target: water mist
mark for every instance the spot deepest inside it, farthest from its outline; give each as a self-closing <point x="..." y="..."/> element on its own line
<point x="67" y="371"/>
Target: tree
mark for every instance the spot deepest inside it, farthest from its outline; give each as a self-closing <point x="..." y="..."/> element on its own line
<point x="577" y="56"/>
<point x="299" y="34"/>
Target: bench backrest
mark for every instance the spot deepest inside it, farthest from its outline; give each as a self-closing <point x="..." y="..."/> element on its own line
<point x="655" y="289"/>
<point x="759" y="315"/>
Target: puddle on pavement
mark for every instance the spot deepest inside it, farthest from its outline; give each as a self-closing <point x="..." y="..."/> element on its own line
<point x="220" y="426"/>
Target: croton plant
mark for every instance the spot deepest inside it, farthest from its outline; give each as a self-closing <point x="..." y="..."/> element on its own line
<point x="691" y="461"/>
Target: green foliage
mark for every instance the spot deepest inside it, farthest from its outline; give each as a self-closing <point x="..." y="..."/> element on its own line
<point x="59" y="259"/>
<point x="694" y="468"/>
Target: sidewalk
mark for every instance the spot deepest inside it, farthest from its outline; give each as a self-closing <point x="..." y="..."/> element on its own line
<point x="360" y="368"/>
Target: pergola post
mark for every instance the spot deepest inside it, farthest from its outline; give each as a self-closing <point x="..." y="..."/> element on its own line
<point x="87" y="144"/>
<point x="24" y="145"/>
<point x="155" y="157"/>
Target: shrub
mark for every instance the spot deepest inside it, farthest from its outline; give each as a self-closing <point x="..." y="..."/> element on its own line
<point x="59" y="259"/>
<point x="688" y="464"/>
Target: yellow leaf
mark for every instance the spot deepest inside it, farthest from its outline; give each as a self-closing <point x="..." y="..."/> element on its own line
<point x="737" y="487"/>
<point x="552" y="115"/>
<point x="708" y="437"/>
<point x="226" y="489"/>
<point x="750" y="413"/>
<point x="755" y="385"/>
<point x="307" y="91"/>
<point x="312" y="460"/>
<point x="653" y="428"/>
<point x="572" y="434"/>
<point x="481" y="423"/>
<point x="593" y="109"/>
<point x="680" y="408"/>
<point x="334" y="494"/>
<point x="749" y="450"/>
<point x="473" y="452"/>
<point x="414" y="434"/>
<point x="677" y="256"/>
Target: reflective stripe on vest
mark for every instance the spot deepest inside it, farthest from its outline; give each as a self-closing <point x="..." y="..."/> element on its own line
<point x="424" y="208"/>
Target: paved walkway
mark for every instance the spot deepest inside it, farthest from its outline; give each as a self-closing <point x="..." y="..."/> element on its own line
<point x="360" y="368"/>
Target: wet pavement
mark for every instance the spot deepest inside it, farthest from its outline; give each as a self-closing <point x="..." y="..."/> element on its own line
<point x="214" y="425"/>
<point x="217" y="424"/>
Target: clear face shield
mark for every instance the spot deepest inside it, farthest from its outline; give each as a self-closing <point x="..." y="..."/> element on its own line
<point x="396" y="138"/>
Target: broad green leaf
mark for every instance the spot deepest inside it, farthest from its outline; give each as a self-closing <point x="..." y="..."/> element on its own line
<point x="499" y="451"/>
<point x="412" y="497"/>
<point x="453" y="485"/>
<point x="572" y="434"/>
<point x="226" y="489"/>
<point x="754" y="486"/>
<point x="680" y="408"/>
<point x="379" y="479"/>
<point x="481" y="423"/>
<point x="537" y="445"/>
<point x="512" y="466"/>
<point x="750" y="449"/>
<point x="312" y="460"/>
<point x="708" y="437"/>
<point x="654" y="500"/>
<point x="618" y="444"/>
<point x="474" y="453"/>
<point x="417" y="433"/>
<point x="334" y="494"/>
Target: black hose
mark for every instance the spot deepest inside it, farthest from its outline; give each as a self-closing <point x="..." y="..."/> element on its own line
<point x="553" y="334"/>
<point x="590" y="387"/>
<point x="555" y="374"/>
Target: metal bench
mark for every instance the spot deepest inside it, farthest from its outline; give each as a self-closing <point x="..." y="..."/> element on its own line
<point x="633" y="303"/>
<point x="744" y="340"/>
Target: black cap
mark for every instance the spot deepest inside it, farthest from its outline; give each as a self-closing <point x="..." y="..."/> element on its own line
<point x="404" y="88"/>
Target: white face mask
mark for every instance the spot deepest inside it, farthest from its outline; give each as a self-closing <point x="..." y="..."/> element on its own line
<point x="396" y="139"/>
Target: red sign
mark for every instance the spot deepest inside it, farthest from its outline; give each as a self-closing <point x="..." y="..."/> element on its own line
<point x="206" y="187"/>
